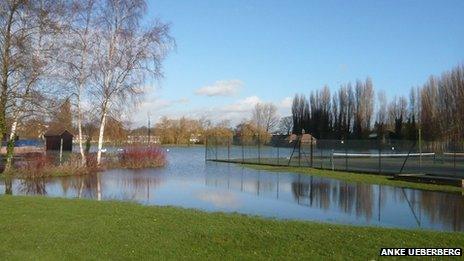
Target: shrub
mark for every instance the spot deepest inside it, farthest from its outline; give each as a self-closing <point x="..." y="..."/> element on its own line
<point x="36" y="165"/>
<point x="142" y="157"/>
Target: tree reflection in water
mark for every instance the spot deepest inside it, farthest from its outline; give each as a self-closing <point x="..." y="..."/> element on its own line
<point x="361" y="200"/>
<point x="372" y="204"/>
<point x="33" y="187"/>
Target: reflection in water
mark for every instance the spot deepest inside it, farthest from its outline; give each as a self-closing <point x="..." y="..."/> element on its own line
<point x="8" y="184"/>
<point x="33" y="187"/>
<point x="372" y="203"/>
<point x="188" y="182"/>
<point x="219" y="199"/>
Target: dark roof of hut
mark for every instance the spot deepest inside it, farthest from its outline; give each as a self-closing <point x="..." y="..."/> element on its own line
<point x="58" y="131"/>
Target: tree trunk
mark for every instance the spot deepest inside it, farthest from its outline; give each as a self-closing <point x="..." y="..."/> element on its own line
<point x="100" y="136"/>
<point x="5" y="72"/>
<point x="79" y="126"/>
<point x="10" y="146"/>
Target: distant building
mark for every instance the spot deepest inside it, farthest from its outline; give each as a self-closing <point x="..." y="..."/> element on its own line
<point x="54" y="138"/>
<point x="143" y="139"/>
<point x="195" y="138"/>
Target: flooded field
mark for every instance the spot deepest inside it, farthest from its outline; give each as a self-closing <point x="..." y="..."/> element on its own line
<point x="188" y="181"/>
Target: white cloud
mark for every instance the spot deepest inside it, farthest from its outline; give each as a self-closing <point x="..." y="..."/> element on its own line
<point x="221" y="88"/>
<point x="154" y="107"/>
<point x="235" y="111"/>
<point x="161" y="104"/>
<point x="286" y="103"/>
<point x="244" y="105"/>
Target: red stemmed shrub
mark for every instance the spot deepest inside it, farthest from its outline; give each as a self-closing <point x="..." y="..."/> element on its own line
<point x="35" y="165"/>
<point x="142" y="157"/>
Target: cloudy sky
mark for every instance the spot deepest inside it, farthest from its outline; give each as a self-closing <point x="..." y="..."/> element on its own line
<point x="233" y="54"/>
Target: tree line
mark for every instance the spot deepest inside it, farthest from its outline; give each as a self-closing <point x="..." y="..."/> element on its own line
<point x="97" y="54"/>
<point x="183" y="131"/>
<point x="354" y="111"/>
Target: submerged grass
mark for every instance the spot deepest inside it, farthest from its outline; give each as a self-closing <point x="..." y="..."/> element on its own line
<point x="55" y="229"/>
<point x="357" y="177"/>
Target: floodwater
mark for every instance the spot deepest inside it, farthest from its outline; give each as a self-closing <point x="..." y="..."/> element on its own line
<point x="188" y="181"/>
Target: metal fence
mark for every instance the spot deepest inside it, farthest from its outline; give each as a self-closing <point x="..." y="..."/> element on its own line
<point x="372" y="156"/>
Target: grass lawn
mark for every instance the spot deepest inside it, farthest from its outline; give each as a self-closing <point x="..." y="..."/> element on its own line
<point x="357" y="177"/>
<point x="50" y="228"/>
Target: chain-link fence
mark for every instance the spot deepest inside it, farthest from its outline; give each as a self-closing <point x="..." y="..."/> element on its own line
<point x="372" y="156"/>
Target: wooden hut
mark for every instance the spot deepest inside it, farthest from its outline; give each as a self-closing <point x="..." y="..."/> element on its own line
<point x="54" y="138"/>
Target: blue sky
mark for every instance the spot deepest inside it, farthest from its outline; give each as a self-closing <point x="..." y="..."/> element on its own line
<point x="232" y="54"/>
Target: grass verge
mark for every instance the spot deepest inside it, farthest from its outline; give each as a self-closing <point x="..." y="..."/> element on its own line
<point x="42" y="228"/>
<point x="357" y="177"/>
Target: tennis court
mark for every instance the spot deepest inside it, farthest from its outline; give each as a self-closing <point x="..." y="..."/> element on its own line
<point x="371" y="156"/>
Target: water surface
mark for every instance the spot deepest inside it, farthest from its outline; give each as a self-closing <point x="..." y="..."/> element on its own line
<point x="188" y="181"/>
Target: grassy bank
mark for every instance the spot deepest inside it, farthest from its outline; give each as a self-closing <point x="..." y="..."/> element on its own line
<point x="357" y="177"/>
<point x="48" y="228"/>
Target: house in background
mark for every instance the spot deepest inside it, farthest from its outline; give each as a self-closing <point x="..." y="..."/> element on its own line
<point x="55" y="137"/>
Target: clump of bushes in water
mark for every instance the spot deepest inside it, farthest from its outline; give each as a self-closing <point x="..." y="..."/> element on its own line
<point x="141" y="157"/>
<point x="38" y="165"/>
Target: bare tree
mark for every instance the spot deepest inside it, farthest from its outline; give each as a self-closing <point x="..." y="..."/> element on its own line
<point x="28" y="44"/>
<point x="264" y="116"/>
<point x="382" y="115"/>
<point x="286" y="125"/>
<point x="364" y="108"/>
<point x="125" y="53"/>
<point x="79" y="42"/>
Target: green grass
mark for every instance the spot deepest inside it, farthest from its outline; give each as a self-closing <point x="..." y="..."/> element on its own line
<point x="42" y="228"/>
<point x="357" y="177"/>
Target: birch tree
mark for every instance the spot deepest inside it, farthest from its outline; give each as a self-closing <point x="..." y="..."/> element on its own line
<point x="27" y="46"/>
<point x="80" y="35"/>
<point x="125" y="53"/>
<point x="12" y="37"/>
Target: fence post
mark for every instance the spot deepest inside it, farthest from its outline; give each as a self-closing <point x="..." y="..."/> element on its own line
<point x="228" y="149"/>
<point x="206" y="148"/>
<point x="312" y="151"/>
<point x="346" y="154"/>
<point x="243" y="152"/>
<point x="216" y="150"/>
<point x="454" y="157"/>
<point x="332" y="160"/>
<point x="299" y="152"/>
<point x="380" y="156"/>
<point x="420" y="149"/>
<point x="278" y="156"/>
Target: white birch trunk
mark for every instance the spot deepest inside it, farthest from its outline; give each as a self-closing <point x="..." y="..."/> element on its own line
<point x="10" y="151"/>
<point x="79" y="127"/>
<point x="81" y="188"/>
<point x="99" y="192"/>
<point x="100" y="137"/>
<point x="13" y="129"/>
